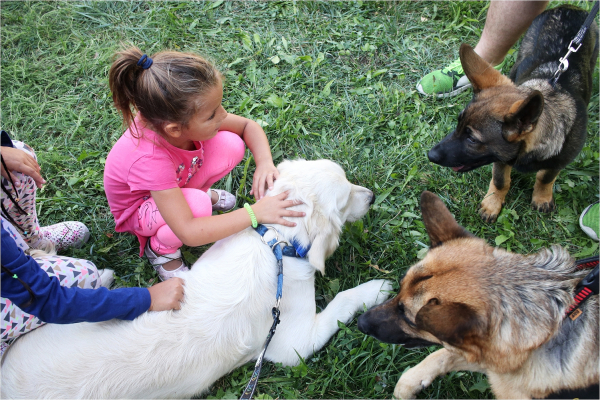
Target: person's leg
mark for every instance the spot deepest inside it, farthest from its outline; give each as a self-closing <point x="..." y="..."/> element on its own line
<point x="221" y="154"/>
<point x="505" y="22"/>
<point x="163" y="247"/>
<point x="23" y="214"/>
<point x="71" y="272"/>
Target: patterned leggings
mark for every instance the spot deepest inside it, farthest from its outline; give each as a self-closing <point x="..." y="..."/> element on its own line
<point x="24" y="194"/>
<point x="71" y="272"/>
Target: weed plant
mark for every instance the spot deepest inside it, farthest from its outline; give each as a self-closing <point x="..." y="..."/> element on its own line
<point x="331" y="80"/>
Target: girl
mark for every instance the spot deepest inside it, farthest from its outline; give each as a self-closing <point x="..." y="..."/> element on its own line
<point x="179" y="142"/>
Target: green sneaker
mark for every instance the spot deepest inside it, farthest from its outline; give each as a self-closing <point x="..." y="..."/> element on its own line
<point x="449" y="81"/>
<point x="589" y="220"/>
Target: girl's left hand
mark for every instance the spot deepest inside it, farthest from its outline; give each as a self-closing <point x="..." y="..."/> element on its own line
<point x="264" y="176"/>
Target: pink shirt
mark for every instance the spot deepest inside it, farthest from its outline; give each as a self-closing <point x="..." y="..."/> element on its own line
<point x="134" y="167"/>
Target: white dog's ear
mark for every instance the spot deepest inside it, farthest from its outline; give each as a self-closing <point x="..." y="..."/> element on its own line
<point x="324" y="243"/>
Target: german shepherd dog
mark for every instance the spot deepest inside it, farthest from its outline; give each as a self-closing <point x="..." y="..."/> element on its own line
<point x="494" y="312"/>
<point x="524" y="122"/>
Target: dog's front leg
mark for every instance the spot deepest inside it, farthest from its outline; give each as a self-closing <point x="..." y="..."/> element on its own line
<point x="302" y="331"/>
<point x="439" y="363"/>
<point x="542" y="190"/>
<point x="494" y="199"/>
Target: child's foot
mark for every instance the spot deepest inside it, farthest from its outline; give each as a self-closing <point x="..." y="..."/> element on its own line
<point x="107" y="277"/>
<point x="222" y="200"/>
<point x="589" y="220"/>
<point x="62" y="235"/>
<point x="449" y="81"/>
<point x="167" y="265"/>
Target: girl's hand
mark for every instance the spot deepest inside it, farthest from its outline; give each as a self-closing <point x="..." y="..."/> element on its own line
<point x="19" y="161"/>
<point x="264" y="176"/>
<point x="272" y="209"/>
<point x="166" y="295"/>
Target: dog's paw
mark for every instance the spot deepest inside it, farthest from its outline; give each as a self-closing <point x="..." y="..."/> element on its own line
<point x="375" y="292"/>
<point x="410" y="384"/>
<point x="490" y="208"/>
<point x="543" y="206"/>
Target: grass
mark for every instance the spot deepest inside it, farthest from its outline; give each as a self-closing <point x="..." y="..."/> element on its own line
<point x="328" y="80"/>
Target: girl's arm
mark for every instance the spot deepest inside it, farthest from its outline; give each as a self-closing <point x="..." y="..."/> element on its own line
<point x="256" y="140"/>
<point x="176" y="212"/>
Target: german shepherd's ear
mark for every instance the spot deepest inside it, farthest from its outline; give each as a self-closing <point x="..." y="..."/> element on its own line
<point x="480" y="73"/>
<point x="522" y="117"/>
<point x="440" y="224"/>
<point x="454" y="323"/>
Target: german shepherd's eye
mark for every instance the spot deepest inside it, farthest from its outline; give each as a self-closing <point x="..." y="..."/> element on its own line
<point x="470" y="138"/>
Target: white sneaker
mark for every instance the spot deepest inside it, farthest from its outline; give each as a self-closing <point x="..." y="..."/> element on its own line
<point x="106" y="277"/>
<point x="63" y="235"/>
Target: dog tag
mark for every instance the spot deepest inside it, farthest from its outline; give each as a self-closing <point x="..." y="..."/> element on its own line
<point x="575" y="314"/>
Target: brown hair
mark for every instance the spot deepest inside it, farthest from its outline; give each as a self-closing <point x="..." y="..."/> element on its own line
<point x="167" y="91"/>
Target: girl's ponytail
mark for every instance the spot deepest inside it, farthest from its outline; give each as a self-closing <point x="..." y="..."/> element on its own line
<point x="122" y="79"/>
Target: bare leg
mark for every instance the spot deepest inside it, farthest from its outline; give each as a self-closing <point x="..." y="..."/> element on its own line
<point x="506" y="21"/>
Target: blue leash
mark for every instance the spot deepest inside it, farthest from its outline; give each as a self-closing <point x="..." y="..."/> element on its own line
<point x="279" y="251"/>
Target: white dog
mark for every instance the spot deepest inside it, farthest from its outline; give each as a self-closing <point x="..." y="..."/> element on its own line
<point x="224" y="321"/>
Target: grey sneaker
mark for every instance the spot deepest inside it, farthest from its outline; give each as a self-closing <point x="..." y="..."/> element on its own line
<point x="157" y="262"/>
<point x="226" y="200"/>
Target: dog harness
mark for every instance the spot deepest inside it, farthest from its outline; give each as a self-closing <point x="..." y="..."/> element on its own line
<point x="587" y="287"/>
<point x="279" y="250"/>
<point x="564" y="62"/>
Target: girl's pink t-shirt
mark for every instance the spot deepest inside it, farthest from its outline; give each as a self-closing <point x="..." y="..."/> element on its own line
<point x="141" y="163"/>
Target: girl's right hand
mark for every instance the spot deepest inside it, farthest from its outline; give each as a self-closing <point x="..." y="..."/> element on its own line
<point x="19" y="161"/>
<point x="166" y="295"/>
<point x="272" y="209"/>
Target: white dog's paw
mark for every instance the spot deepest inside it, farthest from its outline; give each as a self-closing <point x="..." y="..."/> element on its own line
<point x="374" y="292"/>
<point x="410" y="384"/>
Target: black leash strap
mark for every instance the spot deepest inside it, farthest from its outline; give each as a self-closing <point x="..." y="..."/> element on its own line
<point x="564" y="62"/>
<point x="588" y="287"/>
<point x="251" y="387"/>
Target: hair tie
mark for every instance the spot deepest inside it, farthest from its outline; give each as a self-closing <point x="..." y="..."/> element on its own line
<point x="145" y="62"/>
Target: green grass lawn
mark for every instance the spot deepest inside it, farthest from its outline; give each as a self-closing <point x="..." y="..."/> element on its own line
<point x="331" y="80"/>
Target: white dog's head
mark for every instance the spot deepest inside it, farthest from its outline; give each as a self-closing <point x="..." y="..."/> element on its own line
<point x="329" y="202"/>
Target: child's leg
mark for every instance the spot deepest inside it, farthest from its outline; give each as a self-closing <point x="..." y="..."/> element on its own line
<point x="71" y="272"/>
<point x="24" y="195"/>
<point x="163" y="240"/>
<point x="221" y="154"/>
<point x="24" y="215"/>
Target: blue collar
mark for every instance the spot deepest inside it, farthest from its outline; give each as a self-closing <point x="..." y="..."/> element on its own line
<point x="295" y="250"/>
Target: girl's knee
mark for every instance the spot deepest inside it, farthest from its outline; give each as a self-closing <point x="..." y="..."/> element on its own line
<point x="71" y="271"/>
<point x="229" y="145"/>
<point x="199" y="202"/>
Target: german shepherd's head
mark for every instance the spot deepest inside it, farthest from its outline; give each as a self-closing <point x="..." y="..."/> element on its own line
<point x="492" y="306"/>
<point x="495" y="125"/>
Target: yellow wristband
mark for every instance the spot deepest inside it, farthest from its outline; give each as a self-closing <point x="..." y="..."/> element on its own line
<point x="252" y="216"/>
